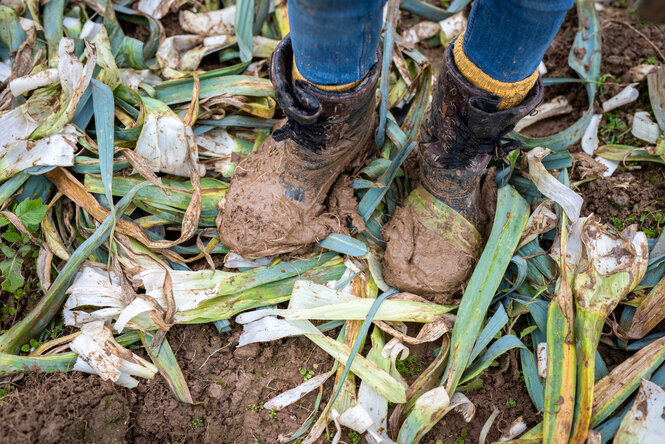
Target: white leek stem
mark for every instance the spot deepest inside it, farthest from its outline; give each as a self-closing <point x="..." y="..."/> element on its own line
<point x="644" y="128"/>
<point x="627" y="95"/>
<point x="611" y="165"/>
<point x="541" y="359"/>
<point x="558" y="105"/>
<point x="640" y="72"/>
<point x="453" y="26"/>
<point x="590" y="137"/>
<point x="421" y="31"/>
<point x="90" y="30"/>
<point x="27" y="83"/>
<point x="547" y="184"/>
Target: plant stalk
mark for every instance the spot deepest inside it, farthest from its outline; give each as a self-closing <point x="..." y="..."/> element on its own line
<point x="588" y="328"/>
<point x="560" y="381"/>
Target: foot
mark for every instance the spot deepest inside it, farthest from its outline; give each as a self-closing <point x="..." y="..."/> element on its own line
<point x="275" y="202"/>
<point x="435" y="239"/>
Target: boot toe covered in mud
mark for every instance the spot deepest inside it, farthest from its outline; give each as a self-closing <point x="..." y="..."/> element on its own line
<point x="431" y="247"/>
<point x="435" y="239"/>
<point x="276" y="200"/>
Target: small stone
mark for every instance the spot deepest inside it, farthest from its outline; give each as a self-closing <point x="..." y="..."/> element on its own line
<point x="620" y="200"/>
<point x="215" y="391"/>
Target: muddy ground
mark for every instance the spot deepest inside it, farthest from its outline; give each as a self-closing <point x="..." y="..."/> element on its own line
<point x="230" y="385"/>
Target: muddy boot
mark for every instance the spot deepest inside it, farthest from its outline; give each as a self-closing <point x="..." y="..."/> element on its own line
<point x="275" y="203"/>
<point x="435" y="239"/>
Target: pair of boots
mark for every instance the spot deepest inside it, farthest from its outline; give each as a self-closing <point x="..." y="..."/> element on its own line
<point x="276" y="201"/>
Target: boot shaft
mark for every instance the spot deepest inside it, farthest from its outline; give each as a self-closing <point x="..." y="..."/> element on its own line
<point x="463" y="121"/>
<point x="462" y="130"/>
<point x="321" y="122"/>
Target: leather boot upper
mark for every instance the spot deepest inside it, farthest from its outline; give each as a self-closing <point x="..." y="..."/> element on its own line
<point x="462" y="130"/>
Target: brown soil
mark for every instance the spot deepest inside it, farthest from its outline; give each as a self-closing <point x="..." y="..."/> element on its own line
<point x="171" y="25"/>
<point x="230" y="384"/>
<point x="626" y="194"/>
<point x="635" y="193"/>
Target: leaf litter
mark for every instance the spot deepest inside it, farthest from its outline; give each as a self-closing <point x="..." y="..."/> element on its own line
<point x="162" y="119"/>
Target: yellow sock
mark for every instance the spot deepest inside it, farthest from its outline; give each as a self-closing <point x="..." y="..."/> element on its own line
<point x="511" y="94"/>
<point x="339" y="88"/>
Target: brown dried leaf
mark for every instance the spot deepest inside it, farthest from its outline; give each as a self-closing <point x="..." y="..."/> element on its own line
<point x="649" y="313"/>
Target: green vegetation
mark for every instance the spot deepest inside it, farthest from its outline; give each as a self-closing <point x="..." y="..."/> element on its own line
<point x="462" y="435"/>
<point x="255" y="407"/>
<point x="409" y="367"/>
<point x="5" y="390"/>
<point x="18" y="248"/>
<point x="650" y="221"/>
<point x="603" y="80"/>
<point x="18" y="255"/>
<point x="355" y="437"/>
<point x="614" y="128"/>
<point x="306" y="374"/>
<point x="621" y="223"/>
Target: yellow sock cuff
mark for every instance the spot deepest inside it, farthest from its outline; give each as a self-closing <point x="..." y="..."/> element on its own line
<point x="511" y="94"/>
<point x="339" y="88"/>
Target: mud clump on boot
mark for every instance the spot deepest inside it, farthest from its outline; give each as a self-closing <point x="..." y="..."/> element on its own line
<point x="442" y="264"/>
<point x="263" y="213"/>
<point x="487" y="206"/>
<point x="343" y="203"/>
<point x="431" y="249"/>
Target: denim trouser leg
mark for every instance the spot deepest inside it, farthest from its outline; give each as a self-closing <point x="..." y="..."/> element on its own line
<point x="507" y="39"/>
<point x="335" y="41"/>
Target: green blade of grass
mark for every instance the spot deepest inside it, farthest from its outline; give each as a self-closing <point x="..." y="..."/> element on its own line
<point x="344" y="244"/>
<point x="102" y="99"/>
<point x="499" y="347"/>
<point x="531" y="379"/>
<point x="492" y="327"/>
<point x="11" y="32"/>
<point x="53" y="12"/>
<point x="244" y="23"/>
<point x="11" y="185"/>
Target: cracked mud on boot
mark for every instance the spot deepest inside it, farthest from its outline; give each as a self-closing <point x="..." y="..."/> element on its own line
<point x="435" y="239"/>
<point x="275" y="202"/>
<point x="431" y="248"/>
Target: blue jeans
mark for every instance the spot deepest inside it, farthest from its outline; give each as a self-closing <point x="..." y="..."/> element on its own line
<point x="335" y="41"/>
